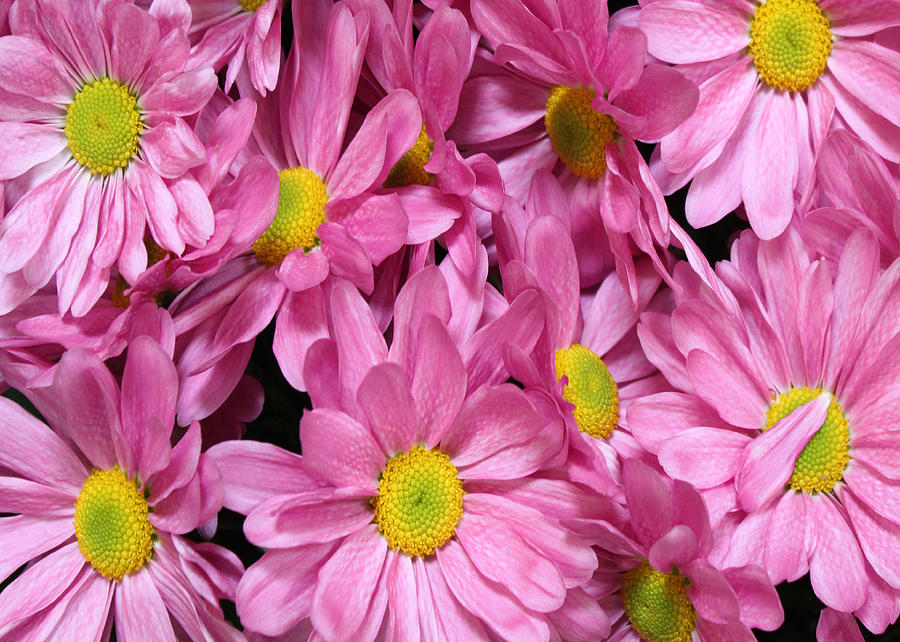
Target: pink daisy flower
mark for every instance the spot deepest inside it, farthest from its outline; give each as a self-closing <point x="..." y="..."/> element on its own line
<point x="788" y="412"/>
<point x="775" y="77"/>
<point x="99" y="508"/>
<point x="93" y="98"/>
<point x="656" y="580"/>
<point x="244" y="34"/>
<point x="573" y="97"/>
<point x="423" y="417"/>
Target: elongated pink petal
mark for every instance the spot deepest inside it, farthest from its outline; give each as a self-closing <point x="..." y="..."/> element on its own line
<point x="26" y="145"/>
<point x="347" y="259"/>
<point x="300" y="322"/>
<point x="860" y="18"/>
<point x="340" y="450"/>
<point x="710" y="593"/>
<point x="680" y="31"/>
<point x="877" y="537"/>
<point x="302" y="270"/>
<point x="288" y="521"/>
<point x="663" y="98"/>
<point x="134" y="34"/>
<point x="648" y="501"/>
<point x="835" y="626"/>
<point x="786" y="548"/>
<point x="836" y="567"/>
<point x="139" y="608"/>
<point x="182" y="95"/>
<point x="172" y="148"/>
<point x="403" y="621"/>
<point x="21" y="496"/>
<point x="869" y="72"/>
<point x="675" y="548"/>
<point x="388" y="405"/>
<point x="705" y="457"/>
<point x="378" y="222"/>
<point x="360" y="343"/>
<point x="24" y="538"/>
<point x="491" y="107"/>
<point x="760" y="606"/>
<point x="727" y="388"/>
<point x="28" y="68"/>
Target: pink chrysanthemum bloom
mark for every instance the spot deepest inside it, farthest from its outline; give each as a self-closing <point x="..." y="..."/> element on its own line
<point x="788" y="413"/>
<point x="100" y="506"/>
<point x="853" y="188"/>
<point x="244" y="34"/>
<point x="96" y="149"/>
<point x="588" y="358"/>
<point x="775" y="77"/>
<point x="573" y="97"/>
<point x="416" y="468"/>
<point x="655" y="578"/>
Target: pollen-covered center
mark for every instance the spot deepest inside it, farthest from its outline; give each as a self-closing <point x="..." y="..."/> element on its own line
<point x="410" y="169"/>
<point x="103" y="125"/>
<point x="301" y="209"/>
<point x="790" y="41"/>
<point x="419" y="501"/>
<point x="657" y="604"/>
<point x="590" y="389"/>
<point x="577" y="131"/>
<point x="111" y="524"/>
<point x="251" y="5"/>
<point x="821" y="463"/>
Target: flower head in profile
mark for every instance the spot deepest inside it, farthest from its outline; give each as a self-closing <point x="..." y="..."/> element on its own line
<point x="100" y="504"/>
<point x="786" y="412"/>
<point x="775" y="77"/>
<point x="96" y="147"/>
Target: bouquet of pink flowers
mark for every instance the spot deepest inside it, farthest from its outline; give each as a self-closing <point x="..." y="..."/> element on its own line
<point x="589" y="316"/>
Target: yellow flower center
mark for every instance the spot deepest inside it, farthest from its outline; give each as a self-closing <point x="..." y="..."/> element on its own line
<point x="251" y="5"/>
<point x="410" y="169"/>
<point x="419" y="501"/>
<point x="577" y="131"/>
<point x="590" y="389"/>
<point x="657" y="604"/>
<point x="821" y="463"/>
<point x="111" y="524"/>
<point x="790" y="42"/>
<point x="103" y="124"/>
<point x="301" y="209"/>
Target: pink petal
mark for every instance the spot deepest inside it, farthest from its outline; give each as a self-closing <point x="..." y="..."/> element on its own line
<point x="836" y="567"/>
<point x="177" y="465"/>
<point x="315" y="517"/>
<point x="276" y="592"/>
<point x="361" y="556"/>
<point x="340" y="449"/>
<point x="159" y="206"/>
<point x="253" y="471"/>
<point x="403" y="621"/>
<point x="385" y="399"/>
<point x="768" y="460"/>
<point x="786" y="548"/>
<point x="501" y="555"/>
<point x="680" y="31"/>
<point x="860" y="18"/>
<point x="249" y="314"/>
<point x="710" y="593"/>
<point x="878" y="493"/>
<point x="648" y="501"/>
<point x="301" y="270"/>
<point x="876" y="130"/>
<point x="870" y="73"/>
<point x="139" y="608"/>
<point x="441" y="63"/>
<point x="425" y="293"/>
<point x="491" y="107"/>
<point x="663" y="98"/>
<point x="728" y="388"/>
<point x="705" y="457"/>
<point x="760" y="606"/>
<point x="28" y="68"/>
<point x="21" y="496"/>
<point x="182" y="95"/>
<point x="360" y="343"/>
<point x="378" y="223"/>
<point x="877" y="538"/>
<point x="675" y="548"/>
<point x="347" y="259"/>
<point x="27" y="145"/>
<point x="430" y="212"/>
<point x="299" y="323"/>
<point x="134" y="35"/>
<point x="24" y="538"/>
<point x="835" y="626"/>
<point x="172" y="148"/>
<point x="444" y="612"/>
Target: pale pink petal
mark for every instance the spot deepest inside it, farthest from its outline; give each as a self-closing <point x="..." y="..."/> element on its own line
<point x="385" y="399"/>
<point x="24" y="538"/>
<point x="300" y="322"/>
<point x="159" y="206"/>
<point x="836" y="567"/>
<point x="877" y="492"/>
<point x="785" y="542"/>
<point x="705" y="457"/>
<point x="876" y="130"/>
<point x="361" y="556"/>
<point x="340" y="450"/>
<point x="648" y="501"/>
<point x="288" y="521"/>
<point x="139" y="608"/>
<point x="21" y="496"/>
<point x="360" y="343"/>
<point x="675" y="548"/>
<point x="26" y="145"/>
<point x="860" y="18"/>
<point x="425" y="293"/>
<point x="768" y="460"/>
<point x="277" y="591"/>
<point x="183" y="95"/>
<point x="133" y="35"/>
<point x="710" y="593"/>
<point x="347" y="259"/>
<point x="443" y="612"/>
<point x="253" y="471"/>
<point x="581" y="618"/>
<point x="869" y="72"/>
<point x="680" y="31"/>
<point x="28" y="68"/>
<point x="835" y="626"/>
<point x="301" y="270"/>
<point x="877" y="538"/>
<point x="491" y="107"/>
<point x="760" y="606"/>
<point x="172" y="148"/>
<point x="403" y="621"/>
<point x="728" y="388"/>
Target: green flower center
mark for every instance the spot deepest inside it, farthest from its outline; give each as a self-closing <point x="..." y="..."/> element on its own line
<point x="657" y="604"/>
<point x="821" y="463"/>
<point x="111" y="524"/>
<point x="590" y="389"/>
<point x="419" y="502"/>
<point x="410" y="169"/>
<point x="577" y="131"/>
<point x="103" y="125"/>
<point x="301" y="209"/>
<point x="790" y="41"/>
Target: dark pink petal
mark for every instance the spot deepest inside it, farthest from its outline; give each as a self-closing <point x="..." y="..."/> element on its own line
<point x="836" y="567"/>
<point x="172" y="148"/>
<point x="360" y="343"/>
<point x="276" y="592"/>
<point x="835" y="626"/>
<point x="581" y="618"/>
<point x="680" y="31"/>
<point x="710" y="593"/>
<point x="623" y="62"/>
<point x="877" y="537"/>
<point x="249" y="314"/>
<point x="705" y="457"/>
<point x="501" y="555"/>
<point x="869" y="72"/>
<point x="340" y="450"/>
<point x="139" y="608"/>
<point x="760" y="606"/>
<point x="430" y="212"/>
<point x="728" y="388"/>
<point x="675" y="548"/>
<point x="134" y="34"/>
<point x="385" y="399"/>
<point x="40" y="585"/>
<point x="320" y="371"/>
<point x="183" y="95"/>
<point x="491" y="107"/>
<point x="378" y="223"/>
<point x="723" y="100"/>
<point x="301" y="270"/>
<point x="425" y="293"/>
<point x="489" y="601"/>
<point x="648" y="501"/>
<point x="786" y="548"/>
<point x="663" y="98"/>
<point x="253" y="471"/>
<point x="26" y="145"/>
<point x="441" y="63"/>
<point x="690" y="509"/>
<point x="550" y="253"/>
<point x="149" y="392"/>
<point x="179" y="464"/>
<point x="196" y="220"/>
<point x="28" y="68"/>
<point x="734" y="631"/>
<point x="181" y="511"/>
<point x="361" y="556"/>
<point x="33" y="450"/>
<point x="768" y="460"/>
<point x="347" y="259"/>
<point x="315" y="517"/>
